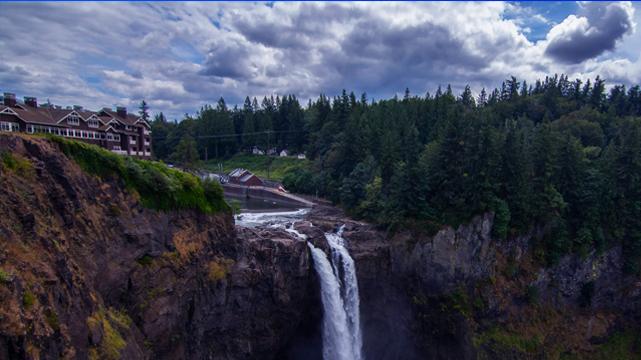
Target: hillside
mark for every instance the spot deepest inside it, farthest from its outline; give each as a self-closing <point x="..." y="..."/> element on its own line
<point x="96" y="264"/>
<point x="266" y="167"/>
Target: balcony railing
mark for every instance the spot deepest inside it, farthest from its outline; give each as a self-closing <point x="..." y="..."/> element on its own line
<point x="120" y="152"/>
<point x="147" y="153"/>
<point x="133" y="142"/>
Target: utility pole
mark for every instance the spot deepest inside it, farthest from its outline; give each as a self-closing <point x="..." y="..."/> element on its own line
<point x="269" y="162"/>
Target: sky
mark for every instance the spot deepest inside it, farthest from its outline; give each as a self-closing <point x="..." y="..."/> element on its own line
<point x="180" y="56"/>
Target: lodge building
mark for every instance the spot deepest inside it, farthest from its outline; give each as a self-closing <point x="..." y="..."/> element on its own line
<point x="117" y="131"/>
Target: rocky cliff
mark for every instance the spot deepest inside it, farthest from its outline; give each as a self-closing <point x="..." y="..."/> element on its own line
<point x="460" y="294"/>
<point x="87" y="272"/>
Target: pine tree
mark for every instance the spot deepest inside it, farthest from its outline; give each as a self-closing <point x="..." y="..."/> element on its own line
<point x="144" y="111"/>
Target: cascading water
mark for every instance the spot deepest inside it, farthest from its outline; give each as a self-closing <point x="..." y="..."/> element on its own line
<point x="336" y="336"/>
<point x="342" y="338"/>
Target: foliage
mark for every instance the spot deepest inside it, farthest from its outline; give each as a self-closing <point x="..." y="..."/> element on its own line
<point x="145" y="260"/>
<point x="559" y="155"/>
<point x="159" y="186"/>
<point x="112" y="324"/>
<point x="16" y="163"/>
<point x="218" y="269"/>
<point x="52" y="319"/>
<point x="5" y="277"/>
<point x="506" y="342"/>
<point x="186" y="152"/>
<point x="620" y="345"/>
<point x="266" y="167"/>
<point x="28" y="299"/>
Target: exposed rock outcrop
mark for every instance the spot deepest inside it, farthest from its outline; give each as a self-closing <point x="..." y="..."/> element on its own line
<point x="87" y="272"/>
<point x="462" y="294"/>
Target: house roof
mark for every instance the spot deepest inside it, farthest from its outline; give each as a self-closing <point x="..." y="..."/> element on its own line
<point x="53" y="116"/>
<point x="238" y="172"/>
<point x="247" y="177"/>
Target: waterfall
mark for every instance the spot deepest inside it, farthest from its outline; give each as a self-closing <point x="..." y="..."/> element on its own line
<point x="342" y="337"/>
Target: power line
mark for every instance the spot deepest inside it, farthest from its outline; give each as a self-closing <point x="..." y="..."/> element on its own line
<point x="219" y="136"/>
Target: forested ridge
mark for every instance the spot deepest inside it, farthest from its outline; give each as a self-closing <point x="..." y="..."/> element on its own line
<point x="561" y="155"/>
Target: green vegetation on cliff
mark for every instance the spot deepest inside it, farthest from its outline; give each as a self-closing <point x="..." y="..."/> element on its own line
<point x="159" y="187"/>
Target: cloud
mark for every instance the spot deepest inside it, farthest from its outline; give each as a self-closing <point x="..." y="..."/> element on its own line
<point x="179" y="56"/>
<point x="596" y="31"/>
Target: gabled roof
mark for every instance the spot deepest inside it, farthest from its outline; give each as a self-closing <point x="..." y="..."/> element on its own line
<point x="238" y="172"/>
<point x="247" y="177"/>
<point x="60" y="114"/>
<point x="127" y="120"/>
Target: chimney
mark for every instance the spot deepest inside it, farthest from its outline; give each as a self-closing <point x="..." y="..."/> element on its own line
<point x="121" y="111"/>
<point x="31" y="101"/>
<point x="77" y="107"/>
<point x="9" y="99"/>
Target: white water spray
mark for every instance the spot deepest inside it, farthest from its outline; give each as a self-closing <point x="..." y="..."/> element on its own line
<point x="342" y="337"/>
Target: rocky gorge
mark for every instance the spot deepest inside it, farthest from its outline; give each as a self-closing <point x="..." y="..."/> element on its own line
<point x="88" y="272"/>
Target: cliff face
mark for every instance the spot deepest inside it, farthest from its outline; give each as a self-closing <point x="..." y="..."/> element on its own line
<point x="87" y="272"/>
<point x="462" y="294"/>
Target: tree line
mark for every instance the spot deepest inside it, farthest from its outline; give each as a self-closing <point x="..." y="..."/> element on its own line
<point x="558" y="155"/>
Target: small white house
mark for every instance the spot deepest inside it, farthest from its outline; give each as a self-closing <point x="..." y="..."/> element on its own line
<point x="283" y="153"/>
<point x="257" y="151"/>
<point x="300" y="156"/>
<point x="272" y="151"/>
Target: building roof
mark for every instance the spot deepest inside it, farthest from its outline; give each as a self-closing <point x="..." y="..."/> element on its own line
<point x="238" y="172"/>
<point x="53" y="116"/>
<point x="247" y="177"/>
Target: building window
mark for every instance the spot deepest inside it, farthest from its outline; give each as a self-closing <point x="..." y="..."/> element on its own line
<point x="73" y="120"/>
<point x="93" y="123"/>
<point x="9" y="126"/>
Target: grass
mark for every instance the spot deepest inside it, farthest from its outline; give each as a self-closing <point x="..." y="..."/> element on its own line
<point x="219" y="268"/>
<point x="159" y="186"/>
<point x="28" y="299"/>
<point x="146" y="260"/>
<point x="621" y="345"/>
<point x="52" y="319"/>
<point x="5" y="277"/>
<point x="503" y="340"/>
<point x="112" y="324"/>
<point x="16" y="163"/>
<point x="259" y="165"/>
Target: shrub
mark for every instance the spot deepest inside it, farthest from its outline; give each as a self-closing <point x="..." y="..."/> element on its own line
<point x="145" y="260"/>
<point x="5" y="277"/>
<point x="52" y="319"/>
<point x="112" y="323"/>
<point x="17" y="164"/>
<point x="28" y="299"/>
<point x="219" y="268"/>
<point x="159" y="187"/>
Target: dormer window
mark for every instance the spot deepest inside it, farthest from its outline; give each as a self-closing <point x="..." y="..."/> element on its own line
<point x="73" y="120"/>
<point x="93" y="123"/>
